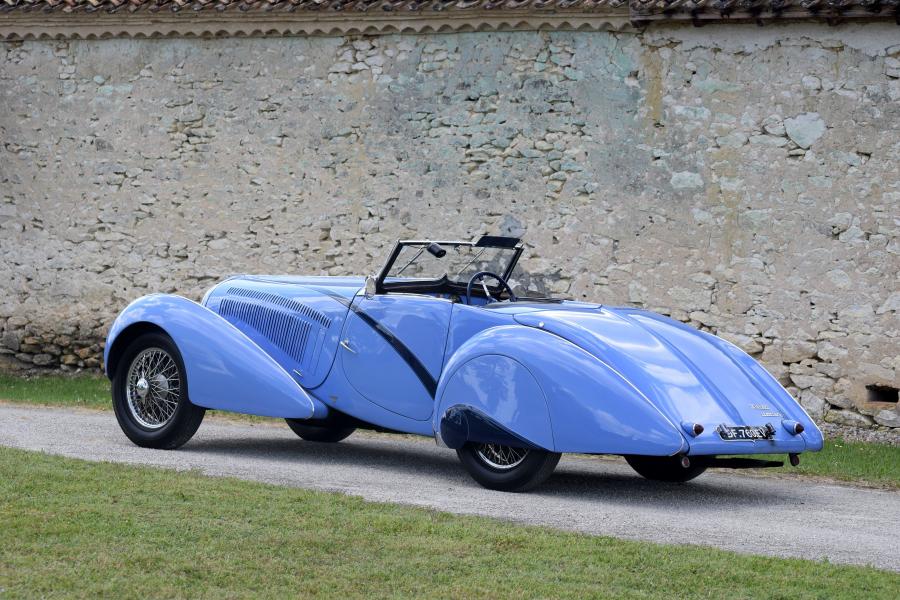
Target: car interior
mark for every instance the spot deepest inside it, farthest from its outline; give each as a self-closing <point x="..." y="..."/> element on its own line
<point x="433" y="268"/>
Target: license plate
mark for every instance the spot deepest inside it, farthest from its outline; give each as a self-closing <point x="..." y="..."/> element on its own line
<point x="742" y="433"/>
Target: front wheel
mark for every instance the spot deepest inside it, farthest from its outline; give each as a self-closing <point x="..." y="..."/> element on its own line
<point x="506" y="468"/>
<point x="665" y="468"/>
<point x="149" y="393"/>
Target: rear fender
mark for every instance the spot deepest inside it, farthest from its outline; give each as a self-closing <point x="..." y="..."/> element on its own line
<point x="553" y="394"/>
<point x="490" y="398"/>
<point x="225" y="369"/>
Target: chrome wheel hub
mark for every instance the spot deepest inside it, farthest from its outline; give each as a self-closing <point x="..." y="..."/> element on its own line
<point x="153" y="388"/>
<point x="501" y="457"/>
<point x="142" y="387"/>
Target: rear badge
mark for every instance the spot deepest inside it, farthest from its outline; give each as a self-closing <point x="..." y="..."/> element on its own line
<point x="766" y="410"/>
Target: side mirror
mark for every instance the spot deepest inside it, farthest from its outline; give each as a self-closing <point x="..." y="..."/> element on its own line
<point x="371" y="286"/>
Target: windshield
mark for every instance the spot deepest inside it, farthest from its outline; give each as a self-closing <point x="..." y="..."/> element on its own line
<point x="460" y="262"/>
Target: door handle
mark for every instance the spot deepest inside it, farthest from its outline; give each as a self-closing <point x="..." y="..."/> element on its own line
<point x="345" y="344"/>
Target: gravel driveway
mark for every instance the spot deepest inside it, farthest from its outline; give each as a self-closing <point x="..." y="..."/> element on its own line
<point x="758" y="515"/>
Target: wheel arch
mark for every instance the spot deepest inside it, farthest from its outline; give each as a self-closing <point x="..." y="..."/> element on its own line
<point x="123" y="340"/>
<point x="510" y="408"/>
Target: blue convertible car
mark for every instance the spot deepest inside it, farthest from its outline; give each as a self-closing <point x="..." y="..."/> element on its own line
<point x="438" y="344"/>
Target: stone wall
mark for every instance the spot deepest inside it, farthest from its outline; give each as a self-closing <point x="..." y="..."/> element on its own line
<point x="742" y="179"/>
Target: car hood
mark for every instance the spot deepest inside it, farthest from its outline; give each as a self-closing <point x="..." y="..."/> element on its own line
<point x="690" y="375"/>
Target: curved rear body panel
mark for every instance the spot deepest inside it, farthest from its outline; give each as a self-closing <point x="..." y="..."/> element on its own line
<point x="225" y="369"/>
<point x="553" y="394"/>
<point x="691" y="376"/>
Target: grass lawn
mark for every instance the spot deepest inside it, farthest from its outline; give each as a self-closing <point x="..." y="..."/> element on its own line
<point x="91" y="391"/>
<point x="88" y="391"/>
<point x="873" y="464"/>
<point x="77" y="529"/>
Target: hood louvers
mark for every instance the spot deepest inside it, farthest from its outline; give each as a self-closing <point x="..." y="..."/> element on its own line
<point x="293" y="327"/>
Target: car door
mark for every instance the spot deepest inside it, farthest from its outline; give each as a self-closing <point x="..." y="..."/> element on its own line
<point x="392" y="350"/>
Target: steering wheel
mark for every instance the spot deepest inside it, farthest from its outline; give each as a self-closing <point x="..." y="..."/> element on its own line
<point x="480" y="276"/>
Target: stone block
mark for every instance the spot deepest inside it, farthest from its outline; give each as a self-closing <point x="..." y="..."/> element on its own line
<point x="805" y="129"/>
<point x="848" y="417"/>
<point x="43" y="360"/>
<point x="814" y="405"/>
<point x="10" y="341"/>
<point x="888" y="417"/>
<point x="686" y="180"/>
<point x="796" y="350"/>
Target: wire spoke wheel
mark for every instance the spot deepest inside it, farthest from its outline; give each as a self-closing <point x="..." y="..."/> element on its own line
<point x="507" y="468"/>
<point x="501" y="457"/>
<point x="153" y="388"/>
<point x="150" y="393"/>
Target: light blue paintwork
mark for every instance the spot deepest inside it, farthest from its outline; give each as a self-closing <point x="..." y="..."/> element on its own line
<point x="421" y="323"/>
<point x="225" y="370"/>
<point x="520" y="404"/>
<point x="323" y="345"/>
<point x="689" y="375"/>
<point x="575" y="404"/>
<point x="568" y="377"/>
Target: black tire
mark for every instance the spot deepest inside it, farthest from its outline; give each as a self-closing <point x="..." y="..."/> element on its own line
<point x="325" y="432"/>
<point x="531" y="471"/>
<point x="175" y="429"/>
<point x="665" y="468"/>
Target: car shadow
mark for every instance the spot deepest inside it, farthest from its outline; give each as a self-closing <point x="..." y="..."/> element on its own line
<point x="575" y="478"/>
<point x="708" y="492"/>
<point x="414" y="458"/>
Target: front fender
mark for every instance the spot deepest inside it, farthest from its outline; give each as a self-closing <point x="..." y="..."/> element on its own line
<point x="225" y="369"/>
<point x="552" y="393"/>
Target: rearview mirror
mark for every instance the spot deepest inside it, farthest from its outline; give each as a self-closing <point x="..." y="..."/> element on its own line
<point x="371" y="286"/>
<point x="436" y="250"/>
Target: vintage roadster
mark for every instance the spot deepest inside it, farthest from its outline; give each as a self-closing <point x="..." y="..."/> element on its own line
<point x="438" y="344"/>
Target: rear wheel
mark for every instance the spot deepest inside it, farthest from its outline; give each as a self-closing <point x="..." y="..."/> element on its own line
<point x="665" y="468"/>
<point x="507" y="468"/>
<point x="149" y="393"/>
<point x="319" y="432"/>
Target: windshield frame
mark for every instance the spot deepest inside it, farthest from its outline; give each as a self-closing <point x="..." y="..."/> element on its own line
<point x="505" y="243"/>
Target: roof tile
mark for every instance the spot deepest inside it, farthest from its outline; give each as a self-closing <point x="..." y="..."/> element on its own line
<point x="637" y="7"/>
